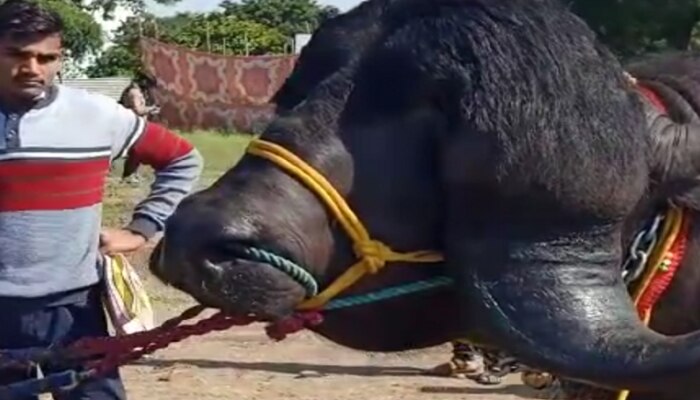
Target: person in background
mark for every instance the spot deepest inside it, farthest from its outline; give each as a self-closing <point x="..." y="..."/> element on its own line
<point x="136" y="96"/>
<point x="57" y="144"/>
<point x="139" y="98"/>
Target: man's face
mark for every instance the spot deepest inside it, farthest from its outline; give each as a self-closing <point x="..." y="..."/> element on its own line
<point x="28" y="67"/>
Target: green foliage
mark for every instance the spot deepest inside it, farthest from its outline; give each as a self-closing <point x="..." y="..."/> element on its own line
<point x="251" y="27"/>
<point x="226" y="34"/>
<point x="109" y="6"/>
<point x="122" y="58"/>
<point x="632" y="28"/>
<point x="289" y="16"/>
<point x="82" y="35"/>
<point x="213" y="32"/>
<point x="115" y="61"/>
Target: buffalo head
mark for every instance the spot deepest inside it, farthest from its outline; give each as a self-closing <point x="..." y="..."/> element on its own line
<point x="496" y="132"/>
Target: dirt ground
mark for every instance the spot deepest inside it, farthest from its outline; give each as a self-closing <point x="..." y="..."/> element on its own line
<point x="243" y="364"/>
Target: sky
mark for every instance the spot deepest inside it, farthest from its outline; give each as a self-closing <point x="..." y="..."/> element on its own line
<point x="208" y="5"/>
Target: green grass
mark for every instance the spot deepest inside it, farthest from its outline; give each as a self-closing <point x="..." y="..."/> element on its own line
<point x="220" y="152"/>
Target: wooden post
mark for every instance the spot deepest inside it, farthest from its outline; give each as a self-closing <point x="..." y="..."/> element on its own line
<point x="156" y="31"/>
<point x="208" y="38"/>
<point x="140" y="23"/>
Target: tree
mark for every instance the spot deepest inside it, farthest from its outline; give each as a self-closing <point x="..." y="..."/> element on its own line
<point x="82" y="35"/>
<point x="107" y="7"/>
<point x="122" y="57"/>
<point x="115" y="61"/>
<point x="632" y="28"/>
<point x="213" y="32"/>
<point x="250" y="27"/>
<point x="227" y="34"/>
<point x="288" y="16"/>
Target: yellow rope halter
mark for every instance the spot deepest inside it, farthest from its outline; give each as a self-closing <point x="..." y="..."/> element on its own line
<point x="373" y="254"/>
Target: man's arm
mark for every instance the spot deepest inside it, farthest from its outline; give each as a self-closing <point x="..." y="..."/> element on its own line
<point x="177" y="165"/>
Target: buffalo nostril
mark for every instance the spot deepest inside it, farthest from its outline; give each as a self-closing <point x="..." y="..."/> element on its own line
<point x="212" y="272"/>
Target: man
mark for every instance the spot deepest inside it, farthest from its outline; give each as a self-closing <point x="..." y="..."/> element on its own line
<point x="56" y="147"/>
<point x="134" y="96"/>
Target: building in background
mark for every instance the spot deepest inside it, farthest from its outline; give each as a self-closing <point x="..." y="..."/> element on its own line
<point x="112" y="87"/>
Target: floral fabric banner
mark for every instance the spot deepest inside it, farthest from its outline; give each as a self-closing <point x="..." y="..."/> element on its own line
<point x="198" y="90"/>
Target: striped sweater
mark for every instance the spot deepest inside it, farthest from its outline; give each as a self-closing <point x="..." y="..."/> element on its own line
<point x="54" y="160"/>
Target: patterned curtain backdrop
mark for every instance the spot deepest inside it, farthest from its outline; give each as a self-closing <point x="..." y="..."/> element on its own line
<point x="213" y="91"/>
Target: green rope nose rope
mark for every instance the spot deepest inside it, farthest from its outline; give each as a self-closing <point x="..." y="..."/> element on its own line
<point x="305" y="279"/>
<point x="388" y="293"/>
<point x="296" y="272"/>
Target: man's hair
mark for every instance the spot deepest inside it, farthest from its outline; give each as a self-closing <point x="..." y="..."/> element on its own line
<point x="21" y="19"/>
<point x="145" y="80"/>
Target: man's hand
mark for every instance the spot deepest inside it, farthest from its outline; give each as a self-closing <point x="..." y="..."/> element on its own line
<point x="114" y="241"/>
<point x="153" y="110"/>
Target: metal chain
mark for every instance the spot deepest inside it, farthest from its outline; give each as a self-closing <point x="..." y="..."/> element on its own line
<point x="499" y="364"/>
<point x="638" y="253"/>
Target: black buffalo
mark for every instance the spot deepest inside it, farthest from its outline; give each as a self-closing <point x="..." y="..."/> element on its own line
<point x="674" y="78"/>
<point x="499" y="132"/>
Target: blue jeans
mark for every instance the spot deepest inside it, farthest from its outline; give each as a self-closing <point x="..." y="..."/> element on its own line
<point x="58" y="320"/>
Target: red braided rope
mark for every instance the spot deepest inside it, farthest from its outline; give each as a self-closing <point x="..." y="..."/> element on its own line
<point x="296" y="323"/>
<point x="663" y="278"/>
<point x="112" y="352"/>
<point x="116" y="351"/>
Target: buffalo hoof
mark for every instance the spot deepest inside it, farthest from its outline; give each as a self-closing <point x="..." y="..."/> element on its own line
<point x="537" y="380"/>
